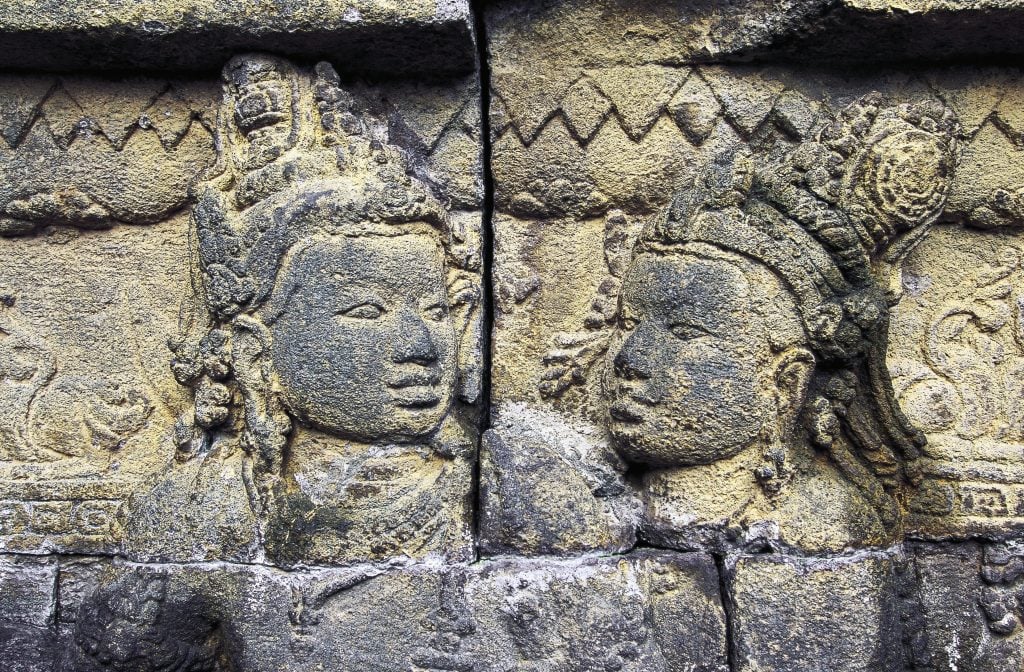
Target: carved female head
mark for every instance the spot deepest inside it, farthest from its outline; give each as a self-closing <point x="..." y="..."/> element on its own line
<point x="326" y="269"/>
<point x="708" y="356"/>
<point x="736" y="331"/>
<point x="361" y="336"/>
<point x="749" y="314"/>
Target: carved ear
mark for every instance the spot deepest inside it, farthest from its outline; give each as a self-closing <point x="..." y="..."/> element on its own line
<point x="267" y="425"/>
<point x="792" y="371"/>
<point x="250" y="342"/>
<point x="464" y="290"/>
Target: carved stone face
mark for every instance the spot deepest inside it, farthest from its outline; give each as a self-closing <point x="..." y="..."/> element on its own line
<point x="688" y="370"/>
<point x="364" y="347"/>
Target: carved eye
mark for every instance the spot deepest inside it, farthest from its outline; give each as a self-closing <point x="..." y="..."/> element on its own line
<point x="627" y="323"/>
<point x="686" y="332"/>
<point x="364" y="311"/>
<point x="436" y="313"/>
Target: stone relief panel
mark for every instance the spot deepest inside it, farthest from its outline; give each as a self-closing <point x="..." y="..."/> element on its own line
<point x="334" y="347"/>
<point x="956" y="357"/>
<point x="643" y="212"/>
<point x="87" y="396"/>
<point x="119" y="380"/>
<point x="85" y="314"/>
<point x="749" y="275"/>
<point x="713" y="289"/>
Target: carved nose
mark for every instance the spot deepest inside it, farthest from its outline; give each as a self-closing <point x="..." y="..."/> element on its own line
<point x="413" y="342"/>
<point x="633" y="361"/>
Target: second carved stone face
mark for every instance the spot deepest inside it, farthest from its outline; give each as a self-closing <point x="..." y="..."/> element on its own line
<point x="688" y="374"/>
<point x="364" y="346"/>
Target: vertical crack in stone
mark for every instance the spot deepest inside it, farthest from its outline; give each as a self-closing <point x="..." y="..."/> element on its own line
<point x="484" y="73"/>
<point x="727" y="609"/>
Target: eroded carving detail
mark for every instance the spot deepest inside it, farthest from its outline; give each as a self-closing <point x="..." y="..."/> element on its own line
<point x="750" y="334"/>
<point x="93" y="153"/>
<point x="957" y="359"/>
<point x="127" y="626"/>
<point x="1002" y="598"/>
<point x="340" y="311"/>
<point x="27" y="365"/>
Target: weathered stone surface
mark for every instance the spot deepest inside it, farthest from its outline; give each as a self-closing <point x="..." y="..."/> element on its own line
<point x="634" y="33"/>
<point x="546" y="489"/>
<point x="648" y="611"/>
<point x="340" y="325"/>
<point x="968" y="607"/>
<point x="92" y="153"/>
<point x="747" y="397"/>
<point x="884" y="30"/>
<point x="88" y="399"/>
<point x="28" y="594"/>
<point x="93" y="412"/>
<point x="411" y="36"/>
<point x="28" y="608"/>
<point x="957" y="357"/>
<point x="594" y="185"/>
<point x="644" y="611"/>
<point x="839" y="613"/>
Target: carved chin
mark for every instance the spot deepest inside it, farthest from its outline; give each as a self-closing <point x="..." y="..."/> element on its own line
<point x="412" y="417"/>
<point x="416" y="422"/>
<point x="637" y="443"/>
<point x="651" y="444"/>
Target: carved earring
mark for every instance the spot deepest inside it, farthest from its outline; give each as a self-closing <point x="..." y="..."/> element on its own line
<point x="773" y="475"/>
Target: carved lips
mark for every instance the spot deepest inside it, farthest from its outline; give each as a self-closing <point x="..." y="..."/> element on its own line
<point x="416" y="390"/>
<point x="629" y="406"/>
<point x="625" y="412"/>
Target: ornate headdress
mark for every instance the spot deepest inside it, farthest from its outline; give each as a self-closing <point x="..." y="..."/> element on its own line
<point x="818" y="217"/>
<point x="300" y="156"/>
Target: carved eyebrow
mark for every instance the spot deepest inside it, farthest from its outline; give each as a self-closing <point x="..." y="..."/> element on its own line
<point x="351" y="301"/>
<point x="687" y="316"/>
<point x="689" y="322"/>
<point x="375" y="305"/>
<point x="430" y="300"/>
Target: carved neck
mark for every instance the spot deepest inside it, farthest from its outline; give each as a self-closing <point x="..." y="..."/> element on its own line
<point x="311" y="450"/>
<point x="707" y="493"/>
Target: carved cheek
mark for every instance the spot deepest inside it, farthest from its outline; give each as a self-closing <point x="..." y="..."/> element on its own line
<point x="741" y="390"/>
<point x="353" y="352"/>
<point x="443" y="335"/>
<point x="708" y="367"/>
<point x="695" y="373"/>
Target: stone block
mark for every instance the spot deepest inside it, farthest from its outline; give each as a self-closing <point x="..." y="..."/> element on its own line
<point x="118" y="367"/>
<point x="956" y="360"/>
<point x="414" y="36"/>
<point x="968" y="607"/>
<point x="537" y="501"/>
<point x="648" y="611"/>
<point x="27" y="591"/>
<point x="614" y="176"/>
<point x="28" y="608"/>
<point x="707" y="358"/>
<point x="840" y="613"/>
